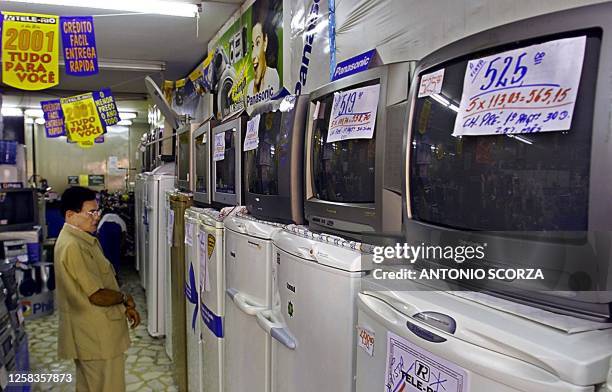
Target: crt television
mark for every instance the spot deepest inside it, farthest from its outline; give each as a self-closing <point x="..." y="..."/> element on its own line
<point x="353" y="187"/>
<point x="227" y="139"/>
<point x="201" y="142"/>
<point x="274" y="169"/>
<point x="183" y="158"/>
<point x="535" y="199"/>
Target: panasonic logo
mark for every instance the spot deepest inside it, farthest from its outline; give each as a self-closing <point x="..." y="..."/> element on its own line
<point x="342" y="70"/>
<point x="312" y="19"/>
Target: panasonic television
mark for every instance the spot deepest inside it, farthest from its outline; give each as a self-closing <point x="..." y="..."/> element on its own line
<point x="274" y="169"/>
<point x="535" y="197"/>
<point x="227" y="139"/>
<point x="353" y="186"/>
<point x="201" y="163"/>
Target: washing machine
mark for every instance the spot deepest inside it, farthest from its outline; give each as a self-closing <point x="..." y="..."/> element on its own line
<point x="212" y="297"/>
<point x="248" y="280"/>
<point x="192" y="302"/>
<point x="157" y="184"/>
<point x="424" y="340"/>
<point x="316" y="278"/>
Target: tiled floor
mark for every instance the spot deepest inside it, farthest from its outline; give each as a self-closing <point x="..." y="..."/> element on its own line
<point x="147" y="366"/>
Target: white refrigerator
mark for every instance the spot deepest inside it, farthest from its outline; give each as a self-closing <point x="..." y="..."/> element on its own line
<point x="314" y="314"/>
<point x="248" y="277"/>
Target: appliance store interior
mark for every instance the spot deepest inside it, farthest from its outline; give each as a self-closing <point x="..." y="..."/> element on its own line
<point x="306" y="196"/>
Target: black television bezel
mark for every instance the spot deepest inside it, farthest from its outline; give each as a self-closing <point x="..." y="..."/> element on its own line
<point x="288" y="205"/>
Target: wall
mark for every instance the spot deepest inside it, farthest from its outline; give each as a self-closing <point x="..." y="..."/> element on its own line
<point x="56" y="159"/>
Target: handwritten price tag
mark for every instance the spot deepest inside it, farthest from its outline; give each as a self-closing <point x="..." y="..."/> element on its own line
<point x="251" y="139"/>
<point x="353" y="114"/>
<point x="431" y="83"/>
<point x="365" y="339"/>
<point x="219" y="152"/>
<point x="526" y="90"/>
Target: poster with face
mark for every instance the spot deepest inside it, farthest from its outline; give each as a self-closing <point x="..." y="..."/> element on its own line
<point x="246" y="66"/>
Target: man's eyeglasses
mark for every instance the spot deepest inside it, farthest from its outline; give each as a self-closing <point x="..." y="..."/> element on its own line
<point x="94" y="213"/>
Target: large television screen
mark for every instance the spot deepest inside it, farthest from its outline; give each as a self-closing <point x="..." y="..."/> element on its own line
<point x="505" y="182"/>
<point x="343" y="171"/>
<point x="226" y="168"/>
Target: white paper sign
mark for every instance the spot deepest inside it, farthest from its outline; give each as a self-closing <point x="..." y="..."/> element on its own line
<point x="188" y="233"/>
<point x="170" y="231"/>
<point x="410" y="368"/>
<point x="353" y="114"/>
<point x="527" y="90"/>
<point x="251" y="139"/>
<point x="203" y="259"/>
<point x="219" y="151"/>
<point x="113" y="166"/>
<point x="365" y="339"/>
<point x="431" y="83"/>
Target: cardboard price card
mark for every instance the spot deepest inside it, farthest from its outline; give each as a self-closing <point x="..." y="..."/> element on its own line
<point x="353" y="114"/>
<point x="525" y="90"/>
<point x="81" y="118"/>
<point x="30" y="50"/>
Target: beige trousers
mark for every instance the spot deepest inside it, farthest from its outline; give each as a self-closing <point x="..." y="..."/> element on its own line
<point x="104" y="375"/>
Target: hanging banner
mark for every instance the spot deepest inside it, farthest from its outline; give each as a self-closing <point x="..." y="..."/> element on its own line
<point x="107" y="108"/>
<point x="54" y="118"/>
<point x="30" y="46"/>
<point x="79" y="43"/>
<point x="168" y="90"/>
<point x="526" y="90"/>
<point x="82" y="121"/>
<point x="247" y="64"/>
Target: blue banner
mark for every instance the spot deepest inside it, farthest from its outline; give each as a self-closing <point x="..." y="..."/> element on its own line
<point x="212" y="321"/>
<point x="191" y="293"/>
<point x="354" y="65"/>
<point x="79" y="43"/>
<point x="107" y="108"/>
<point x="54" y="118"/>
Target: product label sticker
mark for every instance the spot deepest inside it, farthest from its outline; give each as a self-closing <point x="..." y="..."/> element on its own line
<point x="219" y="151"/>
<point x="365" y="339"/>
<point x="251" y="139"/>
<point x="526" y="90"/>
<point x="353" y="114"/>
<point x="431" y="83"/>
<point x="410" y="368"/>
<point x="170" y="230"/>
<point x="188" y="233"/>
<point x="203" y="259"/>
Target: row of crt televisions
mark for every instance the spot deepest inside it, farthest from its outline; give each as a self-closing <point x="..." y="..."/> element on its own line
<point x="546" y="194"/>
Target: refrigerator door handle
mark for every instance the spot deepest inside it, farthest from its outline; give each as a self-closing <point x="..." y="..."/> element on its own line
<point x="275" y="329"/>
<point x="244" y="303"/>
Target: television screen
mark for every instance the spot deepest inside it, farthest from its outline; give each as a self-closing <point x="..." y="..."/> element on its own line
<point x="271" y="155"/>
<point x="183" y="156"/>
<point x="226" y="168"/>
<point x="201" y="163"/>
<point x="504" y="182"/>
<point x="343" y="171"/>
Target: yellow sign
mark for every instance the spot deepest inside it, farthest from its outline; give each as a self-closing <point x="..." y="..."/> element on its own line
<point x="83" y="180"/>
<point x="30" y="50"/>
<point x="180" y="83"/>
<point x="81" y="118"/>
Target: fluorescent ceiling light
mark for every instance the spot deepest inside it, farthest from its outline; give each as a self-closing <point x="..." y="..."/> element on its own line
<point x="125" y="122"/>
<point x="127" y="115"/>
<point x="520" y="139"/>
<point x="40" y="121"/>
<point x="171" y="8"/>
<point x="8" y="111"/>
<point x="128" y="65"/>
<point x="34" y="113"/>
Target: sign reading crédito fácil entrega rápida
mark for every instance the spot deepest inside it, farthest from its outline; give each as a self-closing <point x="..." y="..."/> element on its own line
<point x="30" y="48"/>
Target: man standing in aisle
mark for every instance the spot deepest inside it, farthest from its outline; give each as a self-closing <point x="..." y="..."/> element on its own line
<point x="92" y="311"/>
